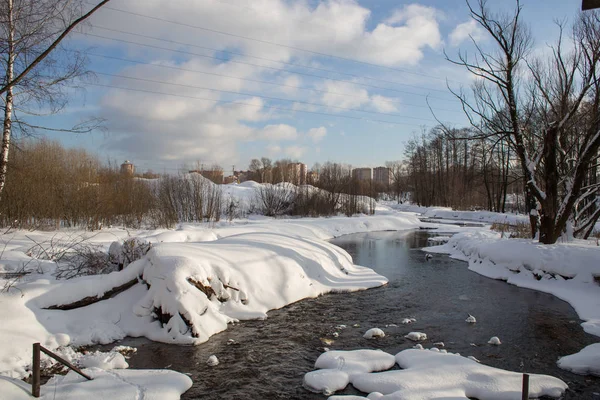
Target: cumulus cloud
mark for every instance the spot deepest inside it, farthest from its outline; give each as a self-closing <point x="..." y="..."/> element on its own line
<point x="465" y="30"/>
<point x="295" y="152"/>
<point x="317" y="134"/>
<point x="278" y="132"/>
<point x="196" y="114"/>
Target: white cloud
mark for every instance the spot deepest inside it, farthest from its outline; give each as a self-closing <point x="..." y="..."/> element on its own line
<point x="465" y="30"/>
<point x="383" y="104"/>
<point x="317" y="134"/>
<point x="150" y="127"/>
<point x="274" y="150"/>
<point x="291" y="83"/>
<point x="278" y="132"/>
<point x="337" y="27"/>
<point x="295" y="152"/>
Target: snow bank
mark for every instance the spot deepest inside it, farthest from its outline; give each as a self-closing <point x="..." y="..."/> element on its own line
<point x="587" y="361"/>
<point x="431" y="375"/>
<point x="450" y="214"/>
<point x="118" y="385"/>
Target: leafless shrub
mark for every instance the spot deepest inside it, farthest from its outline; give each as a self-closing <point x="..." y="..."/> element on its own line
<point x="86" y="259"/>
<point x="520" y="230"/>
<point x="274" y="200"/>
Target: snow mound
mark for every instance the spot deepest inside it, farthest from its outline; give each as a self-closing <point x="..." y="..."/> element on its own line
<point x="495" y="341"/>
<point x="429" y="375"/>
<point x="338" y="367"/>
<point x="471" y="319"/>
<point x="408" y="321"/>
<point x="587" y="361"/>
<point x="374" y="333"/>
<point x="416" y="336"/>
<point x="118" y="385"/>
<point x="212" y="361"/>
<point x="196" y="289"/>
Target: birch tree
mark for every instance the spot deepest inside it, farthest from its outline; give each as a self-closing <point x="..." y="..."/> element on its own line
<point x="36" y="70"/>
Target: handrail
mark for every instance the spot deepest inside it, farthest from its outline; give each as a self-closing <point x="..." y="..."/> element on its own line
<point x="35" y="382"/>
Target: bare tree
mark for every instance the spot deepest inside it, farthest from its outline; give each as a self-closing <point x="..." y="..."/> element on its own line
<point x="536" y="107"/>
<point x="34" y="72"/>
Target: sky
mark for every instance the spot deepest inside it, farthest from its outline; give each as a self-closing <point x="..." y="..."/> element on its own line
<point x="189" y="82"/>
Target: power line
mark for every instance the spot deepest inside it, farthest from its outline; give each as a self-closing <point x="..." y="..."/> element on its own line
<point x="274" y="43"/>
<point x="259" y="81"/>
<point x="260" y="96"/>
<point x="253" y="105"/>
<point x="268" y="59"/>
<point x="264" y="66"/>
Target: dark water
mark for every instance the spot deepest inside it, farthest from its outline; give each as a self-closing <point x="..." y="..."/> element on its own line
<point x="269" y="358"/>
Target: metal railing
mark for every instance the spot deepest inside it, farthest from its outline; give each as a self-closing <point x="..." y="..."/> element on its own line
<point x="35" y="380"/>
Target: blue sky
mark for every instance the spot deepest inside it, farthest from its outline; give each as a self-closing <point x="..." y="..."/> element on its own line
<point x="226" y="81"/>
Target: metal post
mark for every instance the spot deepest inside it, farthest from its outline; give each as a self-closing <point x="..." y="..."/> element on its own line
<point x="35" y="379"/>
<point x="525" y="387"/>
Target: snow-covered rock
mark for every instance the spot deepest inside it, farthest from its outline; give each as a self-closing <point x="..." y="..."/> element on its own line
<point x="374" y="333"/>
<point x="336" y="368"/>
<point x="212" y="361"/>
<point x="421" y="378"/>
<point x="416" y="336"/>
<point x="495" y="341"/>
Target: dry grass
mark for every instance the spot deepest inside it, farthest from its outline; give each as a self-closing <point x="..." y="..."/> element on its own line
<point x="521" y="230"/>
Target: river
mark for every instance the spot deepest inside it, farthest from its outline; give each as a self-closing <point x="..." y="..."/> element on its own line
<point x="267" y="359"/>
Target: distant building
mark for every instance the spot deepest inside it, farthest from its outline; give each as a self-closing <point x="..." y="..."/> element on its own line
<point x="127" y="168"/>
<point x="382" y="175"/>
<point x="215" y="175"/>
<point x="243" y="176"/>
<point x="297" y="173"/>
<point x="230" y="179"/>
<point x="362" y="174"/>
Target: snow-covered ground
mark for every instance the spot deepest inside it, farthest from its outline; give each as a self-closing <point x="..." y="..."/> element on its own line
<point x="197" y="279"/>
<point x="246" y="268"/>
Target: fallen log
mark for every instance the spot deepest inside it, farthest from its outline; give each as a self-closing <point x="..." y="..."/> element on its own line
<point x="86" y="301"/>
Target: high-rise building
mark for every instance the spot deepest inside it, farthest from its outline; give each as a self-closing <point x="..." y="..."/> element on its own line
<point x="297" y="173"/>
<point x="382" y="175"/>
<point x="362" y="174"/>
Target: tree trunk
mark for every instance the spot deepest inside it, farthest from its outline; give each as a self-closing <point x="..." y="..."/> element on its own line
<point x="6" y="129"/>
<point x="549" y="231"/>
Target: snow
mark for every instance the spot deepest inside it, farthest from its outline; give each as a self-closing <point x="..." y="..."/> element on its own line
<point x="252" y="266"/>
<point x="429" y="375"/>
<point x="374" y="333"/>
<point x="118" y="385"/>
<point x="495" y="341"/>
<point x="471" y="319"/>
<point x="337" y="368"/>
<point x="205" y="278"/>
<point x="587" y="361"/>
<point x="444" y="213"/>
<point x="416" y="336"/>
<point x="212" y="361"/>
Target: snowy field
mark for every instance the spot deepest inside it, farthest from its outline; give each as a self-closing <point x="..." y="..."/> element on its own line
<point x="197" y="279"/>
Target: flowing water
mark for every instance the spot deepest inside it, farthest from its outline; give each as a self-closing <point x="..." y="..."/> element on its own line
<point x="268" y="359"/>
